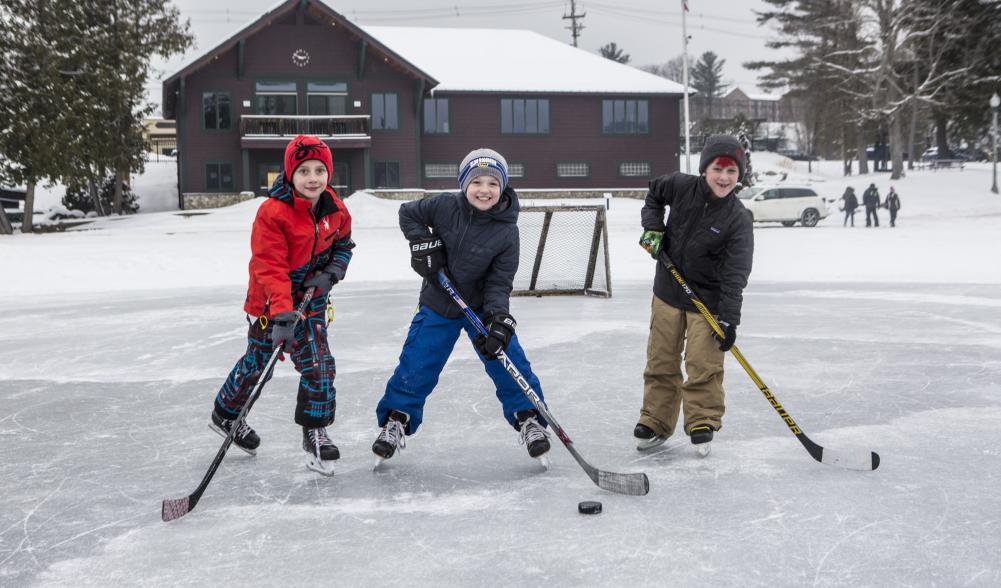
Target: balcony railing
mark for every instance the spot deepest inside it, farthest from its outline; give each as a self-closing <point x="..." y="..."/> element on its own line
<point x="263" y="125"/>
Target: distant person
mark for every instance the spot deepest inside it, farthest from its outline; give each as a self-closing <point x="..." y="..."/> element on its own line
<point x="893" y="205"/>
<point x="850" y="204"/>
<point x="870" y="199"/>
<point x="301" y="238"/>
<point x="709" y="234"/>
<point x="472" y="235"/>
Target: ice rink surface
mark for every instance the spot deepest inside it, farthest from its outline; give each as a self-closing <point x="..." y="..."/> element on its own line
<point x="105" y="400"/>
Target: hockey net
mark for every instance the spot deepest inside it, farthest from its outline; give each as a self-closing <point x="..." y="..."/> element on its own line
<point x="564" y="250"/>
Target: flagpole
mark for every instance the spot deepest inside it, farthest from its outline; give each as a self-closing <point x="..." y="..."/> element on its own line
<point x="684" y="33"/>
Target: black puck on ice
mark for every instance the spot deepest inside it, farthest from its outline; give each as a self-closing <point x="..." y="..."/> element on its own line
<point x="589" y="507"/>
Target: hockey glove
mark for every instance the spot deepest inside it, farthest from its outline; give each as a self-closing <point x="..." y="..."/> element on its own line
<point x="427" y="256"/>
<point x="283" y="330"/>
<point x="651" y="242"/>
<point x="500" y="329"/>
<point x="320" y="280"/>
<point x="729" y="335"/>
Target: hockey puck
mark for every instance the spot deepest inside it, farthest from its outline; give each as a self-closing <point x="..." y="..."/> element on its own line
<point x="589" y="507"/>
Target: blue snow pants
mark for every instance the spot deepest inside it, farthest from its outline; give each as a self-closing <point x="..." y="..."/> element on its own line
<point x="316" y="402"/>
<point x="429" y="344"/>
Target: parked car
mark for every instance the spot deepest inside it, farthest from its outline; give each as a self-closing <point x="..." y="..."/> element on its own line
<point x="785" y="204"/>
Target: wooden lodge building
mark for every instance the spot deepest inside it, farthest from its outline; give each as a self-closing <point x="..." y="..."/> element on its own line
<point x="401" y="106"/>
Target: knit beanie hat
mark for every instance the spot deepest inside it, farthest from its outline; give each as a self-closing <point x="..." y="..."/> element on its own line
<point x="482" y="162"/>
<point x="723" y="146"/>
<point x="303" y="148"/>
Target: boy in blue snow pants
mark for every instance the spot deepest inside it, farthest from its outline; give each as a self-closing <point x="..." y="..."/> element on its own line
<point x="473" y="236"/>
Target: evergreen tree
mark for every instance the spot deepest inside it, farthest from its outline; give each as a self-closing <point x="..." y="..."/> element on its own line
<point x="33" y="97"/>
<point x="78" y="197"/>
<point x="613" y="52"/>
<point x="707" y="79"/>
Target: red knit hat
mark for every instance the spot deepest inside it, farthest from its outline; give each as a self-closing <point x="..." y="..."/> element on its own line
<point x="303" y="148"/>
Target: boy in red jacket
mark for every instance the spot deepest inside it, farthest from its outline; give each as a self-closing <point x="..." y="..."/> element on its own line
<point x="301" y="238"/>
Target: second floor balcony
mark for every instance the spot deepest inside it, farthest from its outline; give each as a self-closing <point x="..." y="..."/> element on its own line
<point x="270" y="131"/>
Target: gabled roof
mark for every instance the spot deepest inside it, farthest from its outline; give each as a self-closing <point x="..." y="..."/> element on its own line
<point x="514" y="60"/>
<point x="318" y="8"/>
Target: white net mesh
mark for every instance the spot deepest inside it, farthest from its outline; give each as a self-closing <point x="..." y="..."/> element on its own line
<point x="564" y="250"/>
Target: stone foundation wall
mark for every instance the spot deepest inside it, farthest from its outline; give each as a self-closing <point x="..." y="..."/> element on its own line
<point x="200" y="200"/>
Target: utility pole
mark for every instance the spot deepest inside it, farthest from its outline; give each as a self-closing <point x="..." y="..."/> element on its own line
<point x="684" y="34"/>
<point x="575" y="28"/>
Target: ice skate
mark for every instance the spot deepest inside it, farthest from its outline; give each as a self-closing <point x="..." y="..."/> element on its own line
<point x="702" y="437"/>
<point x="646" y="438"/>
<point x="245" y="437"/>
<point x="391" y="438"/>
<point x="533" y="436"/>
<point x="320" y="450"/>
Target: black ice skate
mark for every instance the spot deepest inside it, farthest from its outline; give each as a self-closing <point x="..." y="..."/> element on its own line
<point x="245" y="437"/>
<point x="392" y="437"/>
<point x="533" y="436"/>
<point x="647" y="438"/>
<point x="321" y="451"/>
<point x="701" y="437"/>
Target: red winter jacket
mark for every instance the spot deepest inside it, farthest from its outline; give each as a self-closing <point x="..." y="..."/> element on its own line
<point x="290" y="240"/>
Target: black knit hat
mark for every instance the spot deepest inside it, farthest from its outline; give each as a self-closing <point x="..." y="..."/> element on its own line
<point x="723" y="145"/>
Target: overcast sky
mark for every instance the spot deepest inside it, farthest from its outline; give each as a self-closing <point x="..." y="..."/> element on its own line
<point x="648" y="30"/>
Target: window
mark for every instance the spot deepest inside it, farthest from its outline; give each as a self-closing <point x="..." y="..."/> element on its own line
<point x="515" y="170"/>
<point x="387" y="174"/>
<point x="573" y="169"/>
<point x="385" y="115"/>
<point x="219" y="177"/>
<point x="634" y="169"/>
<point x="797" y="193"/>
<point x="216" y="111"/>
<point x="441" y="170"/>
<point x="326" y="99"/>
<point x="276" y="98"/>
<point x="529" y="116"/>
<point x="435" y="115"/>
<point x="625" y="116"/>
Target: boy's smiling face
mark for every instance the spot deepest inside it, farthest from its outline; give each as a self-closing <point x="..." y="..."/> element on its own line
<point x="721" y="177"/>
<point x="310" y="179"/>
<point x="483" y="192"/>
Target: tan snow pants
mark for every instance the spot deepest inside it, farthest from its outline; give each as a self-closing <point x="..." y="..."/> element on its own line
<point x="674" y="332"/>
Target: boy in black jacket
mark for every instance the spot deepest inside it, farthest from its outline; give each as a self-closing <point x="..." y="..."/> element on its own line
<point x="473" y="235"/>
<point x="708" y="236"/>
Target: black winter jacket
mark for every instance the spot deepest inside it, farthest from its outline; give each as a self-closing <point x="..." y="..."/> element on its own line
<point x="709" y="239"/>
<point x="481" y="247"/>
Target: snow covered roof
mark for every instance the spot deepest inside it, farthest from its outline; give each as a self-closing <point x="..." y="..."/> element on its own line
<point x="514" y="60"/>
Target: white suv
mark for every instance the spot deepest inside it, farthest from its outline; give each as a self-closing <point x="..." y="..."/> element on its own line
<point x="785" y="204"/>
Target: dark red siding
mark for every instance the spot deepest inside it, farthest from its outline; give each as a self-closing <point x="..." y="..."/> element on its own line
<point x="575" y="135"/>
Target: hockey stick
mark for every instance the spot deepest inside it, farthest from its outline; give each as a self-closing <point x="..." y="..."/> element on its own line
<point x="859" y="459"/>
<point x="633" y="484"/>
<point x="175" y="508"/>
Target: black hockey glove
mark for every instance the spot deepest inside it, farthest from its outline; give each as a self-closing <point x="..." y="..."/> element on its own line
<point x="320" y="280"/>
<point x="283" y="330"/>
<point x="500" y="329"/>
<point x="427" y="256"/>
<point x="729" y="335"/>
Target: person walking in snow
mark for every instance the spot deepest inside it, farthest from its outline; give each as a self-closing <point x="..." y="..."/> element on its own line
<point x="708" y="235"/>
<point x="850" y="204"/>
<point x="870" y="199"/>
<point x="473" y="236"/>
<point x="301" y="239"/>
<point x="893" y="205"/>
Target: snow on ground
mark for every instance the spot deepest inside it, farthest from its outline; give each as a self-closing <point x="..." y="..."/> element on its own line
<point x="115" y="337"/>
